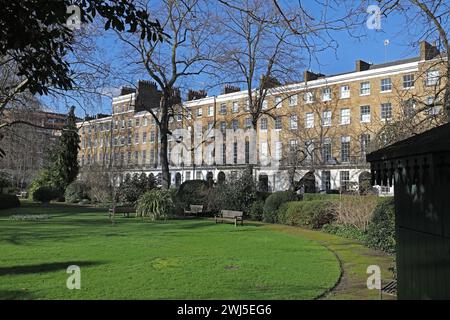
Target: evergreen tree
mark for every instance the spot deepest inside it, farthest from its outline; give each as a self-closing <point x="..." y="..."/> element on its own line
<point x="66" y="158"/>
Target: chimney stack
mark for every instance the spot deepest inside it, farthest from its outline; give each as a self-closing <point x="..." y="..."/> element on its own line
<point x="127" y="90"/>
<point x="310" y="76"/>
<point x="428" y="51"/>
<point x="195" y="95"/>
<point x="362" y="65"/>
<point x="228" y="88"/>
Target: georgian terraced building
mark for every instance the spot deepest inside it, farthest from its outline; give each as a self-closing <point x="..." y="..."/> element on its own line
<point x="323" y="126"/>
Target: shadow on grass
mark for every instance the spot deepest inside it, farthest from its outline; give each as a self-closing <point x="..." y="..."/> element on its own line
<point x="43" y="267"/>
<point x="15" y="295"/>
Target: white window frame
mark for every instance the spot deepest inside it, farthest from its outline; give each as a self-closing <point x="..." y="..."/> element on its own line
<point x="364" y="118"/>
<point x="386" y="87"/>
<point x="344" y="94"/>
<point x="364" y="88"/>
<point x="326" y="94"/>
<point x="345" y="116"/>
<point x="293" y="122"/>
<point x="293" y="100"/>
<point x="309" y="120"/>
<point x="326" y="118"/>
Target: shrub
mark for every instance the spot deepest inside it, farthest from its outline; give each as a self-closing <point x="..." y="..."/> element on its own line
<point x="320" y="196"/>
<point x="273" y="203"/>
<point x="256" y="210"/>
<point x="45" y="194"/>
<point x="45" y="178"/>
<point x="134" y="187"/>
<point x="9" y="201"/>
<point x="381" y="229"/>
<point x="155" y="204"/>
<point x="355" y="210"/>
<point x="345" y="231"/>
<point x="192" y="192"/>
<point x="76" y="191"/>
<point x="237" y="194"/>
<point x="98" y="183"/>
<point x="308" y="214"/>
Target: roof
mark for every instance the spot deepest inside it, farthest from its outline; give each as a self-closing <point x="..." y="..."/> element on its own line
<point x="431" y="141"/>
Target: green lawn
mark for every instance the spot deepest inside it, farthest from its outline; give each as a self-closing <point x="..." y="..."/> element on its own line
<point x="188" y="259"/>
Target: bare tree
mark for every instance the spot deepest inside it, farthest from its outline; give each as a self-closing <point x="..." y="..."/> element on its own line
<point x="171" y="63"/>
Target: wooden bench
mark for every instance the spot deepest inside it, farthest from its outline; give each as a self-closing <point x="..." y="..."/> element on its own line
<point x="230" y="215"/>
<point x="125" y="210"/>
<point x="194" y="209"/>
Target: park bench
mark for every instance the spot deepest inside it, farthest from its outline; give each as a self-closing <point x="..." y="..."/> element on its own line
<point x="194" y="209"/>
<point x="125" y="210"/>
<point x="230" y="215"/>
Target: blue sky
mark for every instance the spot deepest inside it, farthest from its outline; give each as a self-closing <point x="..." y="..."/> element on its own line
<point x="370" y="47"/>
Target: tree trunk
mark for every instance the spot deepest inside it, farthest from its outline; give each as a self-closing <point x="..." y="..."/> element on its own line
<point x="164" y="129"/>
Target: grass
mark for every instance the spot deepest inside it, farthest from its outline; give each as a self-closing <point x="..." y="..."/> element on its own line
<point x="178" y="259"/>
<point x="354" y="258"/>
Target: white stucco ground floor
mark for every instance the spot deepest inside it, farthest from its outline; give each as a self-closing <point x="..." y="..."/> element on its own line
<point x="332" y="178"/>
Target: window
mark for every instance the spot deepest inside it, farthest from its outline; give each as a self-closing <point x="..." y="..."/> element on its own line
<point x="364" y="88"/>
<point x="345" y="116"/>
<point x="122" y="125"/>
<point x="152" y="156"/>
<point x="326" y="120"/>
<point x="179" y="116"/>
<point x="278" y="102"/>
<point x="199" y="112"/>
<point x="137" y="122"/>
<point x="223" y="127"/>
<point x="293" y="100"/>
<point x="145" y="121"/>
<point x="235" y="152"/>
<point x="210" y="111"/>
<point x="144" y="156"/>
<point x="433" y="108"/>
<point x="235" y="107"/>
<point x="345" y="92"/>
<point x="264" y="104"/>
<point x="235" y="124"/>
<point x="409" y="108"/>
<point x="136" y="138"/>
<point x="293" y="145"/>
<point x="144" y="137"/>
<point x="247" y="152"/>
<point x="309" y="147"/>
<point x="129" y="139"/>
<point x="326" y="180"/>
<point x="129" y="157"/>
<point x="247" y="105"/>
<point x="278" y="123"/>
<point x="309" y="97"/>
<point x="309" y="120"/>
<point x="136" y="156"/>
<point x="408" y="81"/>
<point x="188" y="115"/>
<point x="386" y="111"/>
<point x="326" y="150"/>
<point x="365" y="140"/>
<point x="152" y="136"/>
<point x="263" y="124"/>
<point x="432" y="78"/>
<point x="386" y="85"/>
<point x="130" y="123"/>
<point x="224" y="153"/>
<point x="223" y="109"/>
<point x="344" y="179"/>
<point x="345" y="149"/>
<point x="278" y="150"/>
<point x="248" y="122"/>
<point x="294" y="122"/>
<point x="326" y="94"/>
<point x="365" y="114"/>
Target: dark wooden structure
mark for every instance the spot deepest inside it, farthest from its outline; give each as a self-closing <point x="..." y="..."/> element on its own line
<point x="230" y="215"/>
<point x="419" y="169"/>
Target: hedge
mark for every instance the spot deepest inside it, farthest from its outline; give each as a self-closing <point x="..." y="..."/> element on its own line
<point x="381" y="229"/>
<point x="273" y="203"/>
<point x="308" y="214"/>
<point x="9" y="201"/>
<point x="346" y="231"/>
<point x="320" y="196"/>
<point x="45" y="194"/>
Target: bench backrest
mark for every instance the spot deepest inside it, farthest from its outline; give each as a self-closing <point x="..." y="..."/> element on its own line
<point x="196" y="208"/>
<point x="231" y="213"/>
